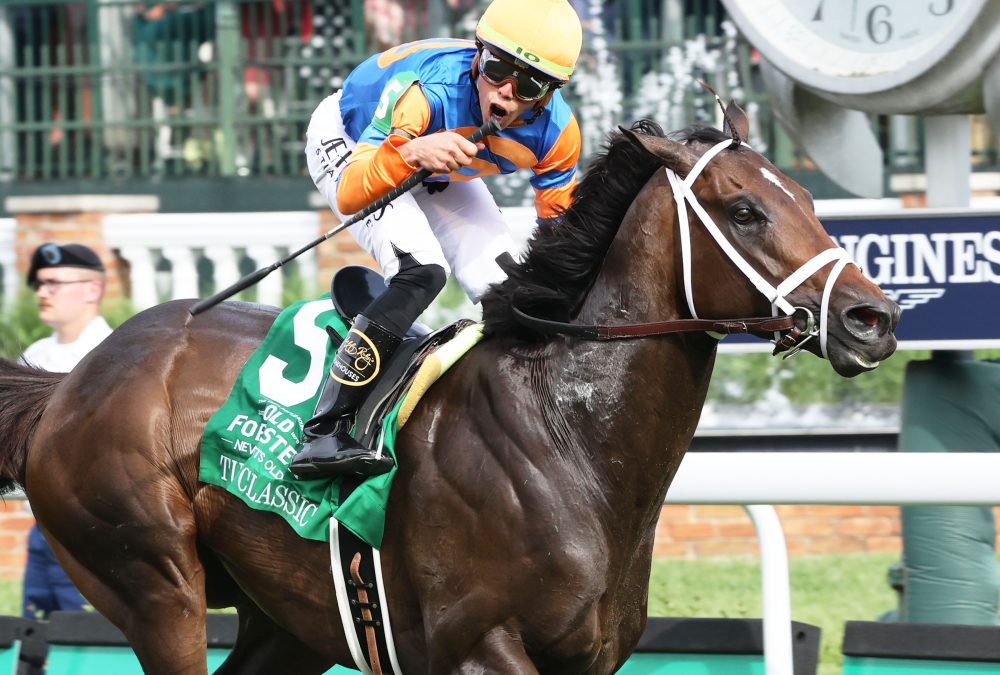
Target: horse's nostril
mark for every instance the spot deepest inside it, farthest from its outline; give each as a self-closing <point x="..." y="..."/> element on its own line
<point x="866" y="315"/>
<point x="869" y="321"/>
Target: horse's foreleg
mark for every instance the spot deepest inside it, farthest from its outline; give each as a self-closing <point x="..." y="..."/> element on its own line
<point x="262" y="647"/>
<point x="498" y="651"/>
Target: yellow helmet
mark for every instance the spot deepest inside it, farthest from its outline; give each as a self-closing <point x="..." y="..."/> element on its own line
<point x="546" y="34"/>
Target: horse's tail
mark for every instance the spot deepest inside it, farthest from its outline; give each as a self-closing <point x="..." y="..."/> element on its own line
<point x="24" y="394"/>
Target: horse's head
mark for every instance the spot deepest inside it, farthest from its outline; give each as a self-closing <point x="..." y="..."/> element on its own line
<point x="757" y="247"/>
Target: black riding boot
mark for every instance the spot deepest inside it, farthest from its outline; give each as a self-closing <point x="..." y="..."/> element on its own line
<point x="328" y="448"/>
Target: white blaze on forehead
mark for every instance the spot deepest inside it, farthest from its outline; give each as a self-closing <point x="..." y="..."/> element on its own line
<point x="777" y="181"/>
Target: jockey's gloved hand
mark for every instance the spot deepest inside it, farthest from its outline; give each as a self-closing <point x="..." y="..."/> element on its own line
<point x="436" y="186"/>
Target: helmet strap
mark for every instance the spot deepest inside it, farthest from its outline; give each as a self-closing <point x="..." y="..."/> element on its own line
<point x="474" y="68"/>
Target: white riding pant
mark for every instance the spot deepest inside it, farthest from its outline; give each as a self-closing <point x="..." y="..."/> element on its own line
<point x="461" y="229"/>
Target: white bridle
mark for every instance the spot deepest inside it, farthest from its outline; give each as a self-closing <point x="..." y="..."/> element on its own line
<point x="775" y="294"/>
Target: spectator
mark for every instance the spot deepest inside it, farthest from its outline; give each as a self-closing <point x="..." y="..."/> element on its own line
<point x="264" y="26"/>
<point x="168" y="36"/>
<point x="384" y="23"/>
<point x="52" y="36"/>
<point x="269" y="30"/>
<point x="68" y="281"/>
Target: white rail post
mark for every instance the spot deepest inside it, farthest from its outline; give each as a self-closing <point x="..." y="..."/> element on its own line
<point x="184" y="272"/>
<point x="269" y="288"/>
<point x="142" y="274"/>
<point x="8" y="261"/>
<point x="226" y="269"/>
<point x="775" y="594"/>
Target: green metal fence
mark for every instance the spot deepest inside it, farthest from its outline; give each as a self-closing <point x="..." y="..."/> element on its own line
<point x="119" y="90"/>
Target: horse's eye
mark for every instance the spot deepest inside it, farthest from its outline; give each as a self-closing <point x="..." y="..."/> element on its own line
<point x="744" y="215"/>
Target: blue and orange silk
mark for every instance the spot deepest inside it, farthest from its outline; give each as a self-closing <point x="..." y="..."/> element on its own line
<point x="446" y="98"/>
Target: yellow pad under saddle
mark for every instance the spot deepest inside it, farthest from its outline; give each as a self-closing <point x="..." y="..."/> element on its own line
<point x="435" y="365"/>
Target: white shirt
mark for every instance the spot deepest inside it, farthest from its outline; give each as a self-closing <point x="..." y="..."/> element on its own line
<point x="61" y="357"/>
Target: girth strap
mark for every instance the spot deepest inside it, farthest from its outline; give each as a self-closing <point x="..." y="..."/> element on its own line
<point x="361" y="597"/>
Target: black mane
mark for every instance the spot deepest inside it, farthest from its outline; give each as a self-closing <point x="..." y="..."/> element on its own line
<point x="562" y="261"/>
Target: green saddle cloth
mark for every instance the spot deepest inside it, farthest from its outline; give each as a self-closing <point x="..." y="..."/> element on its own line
<point x="248" y="444"/>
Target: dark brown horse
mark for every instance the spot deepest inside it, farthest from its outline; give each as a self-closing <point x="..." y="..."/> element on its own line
<point x="521" y="523"/>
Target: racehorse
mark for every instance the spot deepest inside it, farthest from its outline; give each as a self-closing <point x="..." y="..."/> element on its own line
<point x="520" y="526"/>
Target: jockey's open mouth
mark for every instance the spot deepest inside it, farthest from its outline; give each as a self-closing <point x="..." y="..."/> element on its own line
<point x="499" y="113"/>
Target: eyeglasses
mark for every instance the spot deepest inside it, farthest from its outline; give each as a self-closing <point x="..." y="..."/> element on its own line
<point x="529" y="85"/>
<point x="53" y="284"/>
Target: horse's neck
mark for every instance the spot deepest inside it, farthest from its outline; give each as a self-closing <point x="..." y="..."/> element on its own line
<point x="644" y="395"/>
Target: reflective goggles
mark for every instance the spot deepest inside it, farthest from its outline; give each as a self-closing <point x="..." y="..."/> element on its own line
<point x="528" y="84"/>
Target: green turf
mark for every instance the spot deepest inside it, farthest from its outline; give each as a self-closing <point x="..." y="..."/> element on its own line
<point x="10" y="598"/>
<point x="826" y="592"/>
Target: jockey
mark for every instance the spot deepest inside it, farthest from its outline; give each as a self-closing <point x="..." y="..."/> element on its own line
<point x="409" y="108"/>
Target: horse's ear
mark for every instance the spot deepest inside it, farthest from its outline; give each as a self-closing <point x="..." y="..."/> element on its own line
<point x="737" y="124"/>
<point x="675" y="155"/>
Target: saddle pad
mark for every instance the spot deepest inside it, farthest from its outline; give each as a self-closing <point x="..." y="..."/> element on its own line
<point x="249" y="442"/>
<point x="435" y="365"/>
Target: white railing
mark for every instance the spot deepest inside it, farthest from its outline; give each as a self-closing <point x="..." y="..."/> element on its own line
<point x="145" y="240"/>
<point x="759" y="480"/>
<point x="8" y="260"/>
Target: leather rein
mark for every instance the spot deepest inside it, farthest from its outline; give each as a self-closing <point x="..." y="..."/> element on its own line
<point x="787" y="335"/>
<point x="761" y="324"/>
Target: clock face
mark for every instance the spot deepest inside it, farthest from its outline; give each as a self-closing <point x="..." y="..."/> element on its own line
<point x="880" y="26"/>
<point x="855" y="46"/>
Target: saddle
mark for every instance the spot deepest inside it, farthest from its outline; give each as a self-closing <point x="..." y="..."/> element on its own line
<point x="352" y="289"/>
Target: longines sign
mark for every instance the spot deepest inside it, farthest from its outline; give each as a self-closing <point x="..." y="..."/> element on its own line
<point x="942" y="267"/>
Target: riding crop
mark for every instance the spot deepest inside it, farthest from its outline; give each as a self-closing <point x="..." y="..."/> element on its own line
<point x="488" y="129"/>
